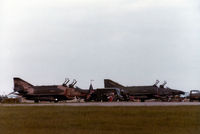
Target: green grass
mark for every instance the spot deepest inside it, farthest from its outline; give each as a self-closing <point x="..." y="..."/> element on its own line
<point x="99" y="120"/>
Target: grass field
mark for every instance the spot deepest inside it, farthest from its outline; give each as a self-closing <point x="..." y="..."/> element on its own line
<point x="99" y="120"/>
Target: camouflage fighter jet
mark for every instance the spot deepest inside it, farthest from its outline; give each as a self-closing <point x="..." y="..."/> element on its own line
<point x="145" y="92"/>
<point x="48" y="92"/>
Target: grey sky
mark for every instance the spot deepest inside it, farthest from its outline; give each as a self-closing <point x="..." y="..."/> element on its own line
<point x="133" y="42"/>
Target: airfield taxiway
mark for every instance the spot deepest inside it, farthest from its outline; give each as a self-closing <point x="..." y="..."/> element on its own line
<point x="109" y="104"/>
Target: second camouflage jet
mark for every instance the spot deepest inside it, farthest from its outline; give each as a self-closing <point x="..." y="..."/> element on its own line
<point x="145" y="92"/>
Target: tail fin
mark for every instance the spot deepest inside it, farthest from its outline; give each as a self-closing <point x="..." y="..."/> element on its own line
<point x="21" y="86"/>
<point x="109" y="83"/>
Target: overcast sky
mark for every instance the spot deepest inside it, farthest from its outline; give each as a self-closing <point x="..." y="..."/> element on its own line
<point x="133" y="42"/>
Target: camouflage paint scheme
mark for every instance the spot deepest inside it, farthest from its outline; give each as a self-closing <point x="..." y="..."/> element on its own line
<point x="48" y="93"/>
<point x="145" y="92"/>
<point x="113" y="91"/>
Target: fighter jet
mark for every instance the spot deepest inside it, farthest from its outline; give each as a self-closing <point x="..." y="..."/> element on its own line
<point x="48" y="92"/>
<point x="145" y="92"/>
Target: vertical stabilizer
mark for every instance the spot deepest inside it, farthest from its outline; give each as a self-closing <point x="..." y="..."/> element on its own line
<point x="21" y="85"/>
<point x="110" y="84"/>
